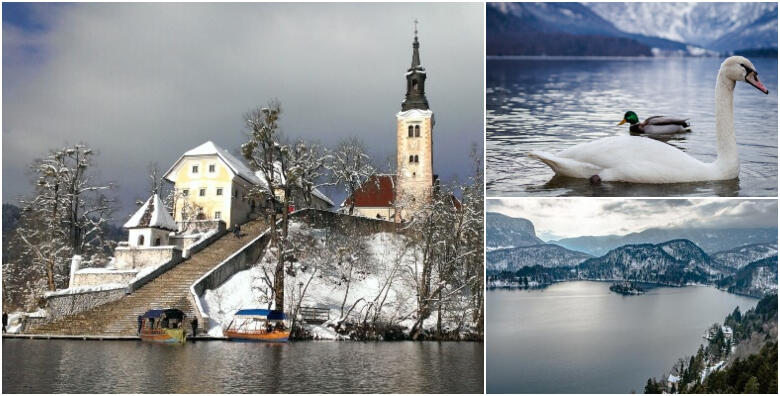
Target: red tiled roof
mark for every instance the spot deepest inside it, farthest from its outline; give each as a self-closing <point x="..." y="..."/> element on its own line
<point x="378" y="191"/>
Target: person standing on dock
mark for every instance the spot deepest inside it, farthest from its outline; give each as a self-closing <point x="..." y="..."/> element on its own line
<point x="194" y="324"/>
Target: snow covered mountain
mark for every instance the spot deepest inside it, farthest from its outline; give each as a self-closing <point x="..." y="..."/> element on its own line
<point x="757" y="279"/>
<point x="507" y="232"/>
<point x="709" y="239"/>
<point x="674" y="262"/>
<point x="739" y="257"/>
<point x="717" y="26"/>
<point x="546" y="255"/>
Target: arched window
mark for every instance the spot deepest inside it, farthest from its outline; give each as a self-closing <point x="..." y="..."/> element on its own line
<point x="414" y="84"/>
<point x="416" y="131"/>
<point x="140" y="240"/>
<point x="416" y="159"/>
<point x="411" y="158"/>
<point x="410" y="131"/>
<point x="157" y="242"/>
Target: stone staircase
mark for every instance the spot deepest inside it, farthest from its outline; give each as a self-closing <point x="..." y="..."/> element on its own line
<point x="169" y="290"/>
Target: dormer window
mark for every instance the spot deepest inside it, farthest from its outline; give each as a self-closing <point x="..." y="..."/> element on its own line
<point x="194" y="169"/>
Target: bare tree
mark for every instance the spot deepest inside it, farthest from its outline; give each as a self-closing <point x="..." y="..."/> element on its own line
<point x="282" y="169"/>
<point x="351" y="167"/>
<point x="67" y="213"/>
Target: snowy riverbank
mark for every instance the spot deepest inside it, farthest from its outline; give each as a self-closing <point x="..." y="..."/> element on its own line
<point x="367" y="283"/>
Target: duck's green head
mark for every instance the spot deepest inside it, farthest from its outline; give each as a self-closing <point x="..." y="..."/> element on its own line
<point x="630" y="117"/>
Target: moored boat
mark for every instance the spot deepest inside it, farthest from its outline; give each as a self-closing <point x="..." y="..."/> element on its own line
<point x="163" y="325"/>
<point x="260" y="325"/>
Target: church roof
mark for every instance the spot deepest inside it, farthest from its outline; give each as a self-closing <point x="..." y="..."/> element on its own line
<point x="152" y="214"/>
<point x="377" y="192"/>
<point x="209" y="148"/>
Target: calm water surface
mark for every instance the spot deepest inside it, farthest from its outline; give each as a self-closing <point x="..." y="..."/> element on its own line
<point x="60" y="366"/>
<point x="553" y="104"/>
<point x="578" y="337"/>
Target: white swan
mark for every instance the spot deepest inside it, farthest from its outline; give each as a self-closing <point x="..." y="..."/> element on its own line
<point x="641" y="160"/>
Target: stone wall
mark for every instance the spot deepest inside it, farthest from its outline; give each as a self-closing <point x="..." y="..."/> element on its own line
<point x="95" y="276"/>
<point x="363" y="225"/>
<point x="62" y="305"/>
<point x="128" y="258"/>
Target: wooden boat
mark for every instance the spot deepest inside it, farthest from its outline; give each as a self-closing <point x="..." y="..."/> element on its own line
<point x="260" y="325"/>
<point x="164" y="326"/>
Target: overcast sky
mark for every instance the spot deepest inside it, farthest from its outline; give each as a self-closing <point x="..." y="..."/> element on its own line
<point x="147" y="82"/>
<point x="563" y="218"/>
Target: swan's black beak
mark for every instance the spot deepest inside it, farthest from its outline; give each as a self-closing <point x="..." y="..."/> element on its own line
<point x="752" y="79"/>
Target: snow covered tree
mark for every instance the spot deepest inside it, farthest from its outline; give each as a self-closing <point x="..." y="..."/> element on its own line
<point x="310" y="159"/>
<point x="284" y="169"/>
<point x="67" y="213"/>
<point x="350" y="166"/>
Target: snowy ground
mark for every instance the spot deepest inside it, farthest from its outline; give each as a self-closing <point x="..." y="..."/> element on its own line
<point x="383" y="274"/>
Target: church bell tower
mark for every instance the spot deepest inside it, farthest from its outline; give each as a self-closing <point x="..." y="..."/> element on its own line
<point x="415" y="123"/>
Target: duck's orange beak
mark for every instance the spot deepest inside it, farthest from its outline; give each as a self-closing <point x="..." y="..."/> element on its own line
<point x="622" y="122"/>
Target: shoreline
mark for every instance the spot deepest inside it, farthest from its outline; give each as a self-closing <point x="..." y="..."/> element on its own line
<point x="652" y="284"/>
<point x="198" y="339"/>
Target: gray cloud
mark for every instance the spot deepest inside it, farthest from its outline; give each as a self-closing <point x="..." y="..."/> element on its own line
<point x="146" y="82"/>
<point x="560" y="218"/>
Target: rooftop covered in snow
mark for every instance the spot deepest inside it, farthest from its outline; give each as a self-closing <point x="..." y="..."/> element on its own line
<point x="209" y="148"/>
<point x="152" y="214"/>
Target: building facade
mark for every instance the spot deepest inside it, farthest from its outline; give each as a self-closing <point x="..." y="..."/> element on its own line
<point x="396" y="197"/>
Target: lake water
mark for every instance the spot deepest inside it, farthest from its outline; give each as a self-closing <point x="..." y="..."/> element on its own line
<point x="553" y="104"/>
<point x="64" y="366"/>
<point x="578" y="337"/>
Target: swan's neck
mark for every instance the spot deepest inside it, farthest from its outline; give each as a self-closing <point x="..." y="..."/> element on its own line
<point x="728" y="160"/>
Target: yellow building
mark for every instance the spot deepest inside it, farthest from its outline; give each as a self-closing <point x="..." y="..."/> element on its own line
<point x="211" y="179"/>
<point x="215" y="181"/>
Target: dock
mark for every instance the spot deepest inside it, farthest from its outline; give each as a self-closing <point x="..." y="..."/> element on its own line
<point x="97" y="337"/>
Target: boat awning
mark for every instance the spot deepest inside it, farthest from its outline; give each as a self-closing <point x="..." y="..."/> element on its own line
<point x="169" y="313"/>
<point x="262" y="313"/>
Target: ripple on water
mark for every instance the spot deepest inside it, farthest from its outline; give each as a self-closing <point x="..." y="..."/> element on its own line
<point x="553" y="104"/>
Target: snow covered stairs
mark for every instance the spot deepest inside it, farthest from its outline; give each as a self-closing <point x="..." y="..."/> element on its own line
<point x="169" y="290"/>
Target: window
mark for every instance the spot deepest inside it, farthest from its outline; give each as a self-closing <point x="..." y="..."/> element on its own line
<point x="411" y="131"/>
<point x="202" y="192"/>
<point x="411" y="158"/>
<point x="212" y="168"/>
<point x="194" y="169"/>
<point x="217" y="215"/>
<point x="414" y="84"/>
<point x="185" y="192"/>
<point x="416" y="159"/>
<point x="416" y="131"/>
<point x="140" y="240"/>
<point x="157" y="242"/>
<point x="219" y="191"/>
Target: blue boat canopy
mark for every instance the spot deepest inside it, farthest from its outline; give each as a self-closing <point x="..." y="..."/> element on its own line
<point x="267" y="313"/>
<point x="170" y="313"/>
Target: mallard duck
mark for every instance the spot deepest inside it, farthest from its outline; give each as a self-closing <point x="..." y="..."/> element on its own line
<point x="638" y="160"/>
<point x="655" y="125"/>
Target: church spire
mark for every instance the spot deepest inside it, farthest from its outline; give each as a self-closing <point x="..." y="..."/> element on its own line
<point x="416" y="49"/>
<point x="415" y="80"/>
